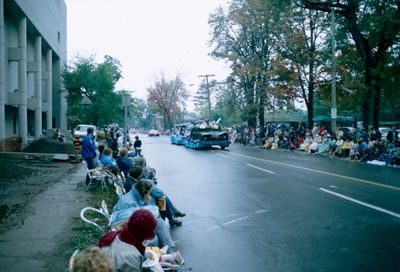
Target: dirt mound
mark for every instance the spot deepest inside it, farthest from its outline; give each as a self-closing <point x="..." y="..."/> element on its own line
<point x="45" y="145"/>
<point x="20" y="181"/>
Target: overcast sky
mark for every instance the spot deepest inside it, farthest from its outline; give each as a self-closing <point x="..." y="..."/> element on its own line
<point x="148" y="37"/>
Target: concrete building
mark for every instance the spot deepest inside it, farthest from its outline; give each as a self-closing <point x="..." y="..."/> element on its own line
<point x="32" y="54"/>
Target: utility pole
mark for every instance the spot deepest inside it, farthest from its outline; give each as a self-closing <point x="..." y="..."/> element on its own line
<point x="126" y="102"/>
<point x="208" y="95"/>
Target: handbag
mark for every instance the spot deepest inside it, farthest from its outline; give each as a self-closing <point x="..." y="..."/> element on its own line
<point x="162" y="203"/>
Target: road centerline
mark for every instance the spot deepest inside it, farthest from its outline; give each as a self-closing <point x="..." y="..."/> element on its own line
<point x="361" y="203"/>
<point x="259" y="168"/>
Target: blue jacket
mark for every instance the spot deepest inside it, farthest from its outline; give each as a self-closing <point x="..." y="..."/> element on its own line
<point x="124" y="164"/>
<point x="108" y="161"/>
<point x="131" y="199"/>
<point x="88" y="147"/>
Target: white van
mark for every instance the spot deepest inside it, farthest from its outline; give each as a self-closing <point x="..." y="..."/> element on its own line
<point x="81" y="131"/>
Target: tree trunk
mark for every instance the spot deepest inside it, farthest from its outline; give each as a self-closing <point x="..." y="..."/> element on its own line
<point x="371" y="105"/>
<point x="261" y="111"/>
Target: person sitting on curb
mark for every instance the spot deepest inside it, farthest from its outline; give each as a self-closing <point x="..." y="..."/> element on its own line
<point x="126" y="245"/>
<point x="124" y="162"/>
<point x="150" y="173"/>
<point x="170" y="211"/>
<point x="139" y="196"/>
<point x="108" y="161"/>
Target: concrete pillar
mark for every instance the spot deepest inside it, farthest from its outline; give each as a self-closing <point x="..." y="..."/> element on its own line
<point x="22" y="82"/>
<point x="38" y="86"/>
<point x="2" y="90"/>
<point x="49" y="88"/>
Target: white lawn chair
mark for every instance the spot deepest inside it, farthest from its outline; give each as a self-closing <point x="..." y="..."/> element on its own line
<point x="95" y="174"/>
<point x="118" y="181"/>
<point x="104" y="216"/>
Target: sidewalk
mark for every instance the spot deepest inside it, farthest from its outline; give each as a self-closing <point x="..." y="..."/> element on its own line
<point x="38" y="245"/>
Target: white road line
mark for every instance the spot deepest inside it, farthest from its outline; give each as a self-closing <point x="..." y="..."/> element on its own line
<point x="236" y="220"/>
<point x="362" y="203"/>
<point x="259" y="168"/>
<point x="261" y="211"/>
<point x="223" y="156"/>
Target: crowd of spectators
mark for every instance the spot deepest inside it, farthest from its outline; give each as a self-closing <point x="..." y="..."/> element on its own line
<point x="365" y="145"/>
<point x="152" y="212"/>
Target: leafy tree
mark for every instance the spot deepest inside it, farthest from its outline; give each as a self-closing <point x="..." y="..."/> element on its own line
<point x="243" y="36"/>
<point x="246" y="37"/>
<point x="200" y="99"/>
<point x="165" y="96"/>
<point x="90" y="91"/>
<point x="228" y="106"/>
<point x="374" y="28"/>
<point x="301" y="46"/>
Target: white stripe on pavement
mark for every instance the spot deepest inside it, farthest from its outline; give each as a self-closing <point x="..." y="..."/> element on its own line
<point x="362" y="203"/>
<point x="236" y="220"/>
<point x="259" y="168"/>
<point x="223" y="156"/>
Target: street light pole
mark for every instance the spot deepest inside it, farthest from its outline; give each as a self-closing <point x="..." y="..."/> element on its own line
<point x="126" y="101"/>
<point x="208" y="95"/>
<point x="333" y="89"/>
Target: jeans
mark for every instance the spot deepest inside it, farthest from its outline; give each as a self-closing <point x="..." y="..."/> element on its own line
<point x="164" y="236"/>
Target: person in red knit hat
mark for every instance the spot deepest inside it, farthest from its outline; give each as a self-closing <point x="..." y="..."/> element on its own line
<point x="126" y="245"/>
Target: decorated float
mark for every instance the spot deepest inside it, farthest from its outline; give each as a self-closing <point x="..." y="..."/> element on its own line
<point x="178" y="134"/>
<point x="205" y="135"/>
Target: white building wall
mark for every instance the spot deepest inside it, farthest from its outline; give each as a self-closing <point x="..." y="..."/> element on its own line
<point x="47" y="19"/>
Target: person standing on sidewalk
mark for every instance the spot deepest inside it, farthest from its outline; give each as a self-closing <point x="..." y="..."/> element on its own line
<point x="89" y="151"/>
<point x="137" y="145"/>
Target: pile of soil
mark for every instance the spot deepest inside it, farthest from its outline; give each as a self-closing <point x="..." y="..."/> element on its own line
<point x="46" y="145"/>
<point x="21" y="180"/>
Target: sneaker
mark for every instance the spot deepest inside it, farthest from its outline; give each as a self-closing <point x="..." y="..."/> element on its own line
<point x="178" y="258"/>
<point x="179" y="214"/>
<point x="175" y="223"/>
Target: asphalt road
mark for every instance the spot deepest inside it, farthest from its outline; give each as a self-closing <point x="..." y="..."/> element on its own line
<point x="256" y="210"/>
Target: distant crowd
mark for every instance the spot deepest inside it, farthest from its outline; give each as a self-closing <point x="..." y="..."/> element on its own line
<point x="365" y="145"/>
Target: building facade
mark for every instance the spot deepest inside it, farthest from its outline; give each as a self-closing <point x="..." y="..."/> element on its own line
<point x="33" y="39"/>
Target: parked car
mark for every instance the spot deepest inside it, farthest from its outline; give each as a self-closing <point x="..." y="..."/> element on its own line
<point x="153" y="132"/>
<point x="81" y="131"/>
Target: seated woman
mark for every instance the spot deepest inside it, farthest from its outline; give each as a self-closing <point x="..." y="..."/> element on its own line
<point x="139" y="196"/>
<point x="108" y="161"/>
<point x="125" y="246"/>
<point x="307" y="142"/>
<point x="170" y="210"/>
<point x="147" y="171"/>
<point x="124" y="163"/>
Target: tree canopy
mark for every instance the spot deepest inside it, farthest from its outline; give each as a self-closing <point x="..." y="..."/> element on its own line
<point x="90" y="89"/>
<point x="166" y="98"/>
<point x="280" y="55"/>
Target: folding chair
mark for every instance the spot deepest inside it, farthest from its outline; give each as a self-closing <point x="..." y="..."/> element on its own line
<point x="95" y="174"/>
<point x="104" y="217"/>
<point x="117" y="178"/>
